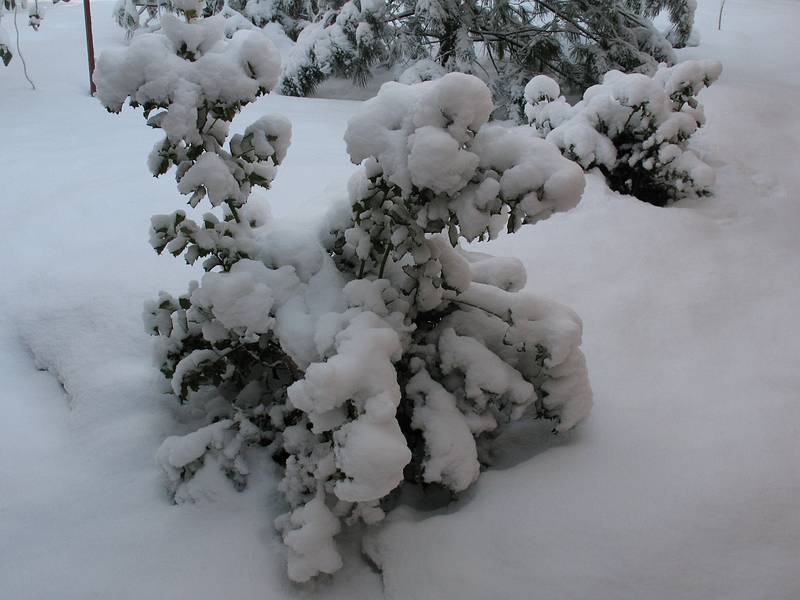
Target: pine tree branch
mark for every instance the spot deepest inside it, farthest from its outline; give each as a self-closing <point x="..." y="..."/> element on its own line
<point x="569" y="20"/>
<point x="401" y="16"/>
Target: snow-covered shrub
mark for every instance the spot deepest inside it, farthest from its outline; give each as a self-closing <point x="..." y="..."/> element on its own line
<point x="378" y="354"/>
<point x="191" y="81"/>
<point x="441" y="349"/>
<point x="545" y="107"/>
<point x="635" y="129"/>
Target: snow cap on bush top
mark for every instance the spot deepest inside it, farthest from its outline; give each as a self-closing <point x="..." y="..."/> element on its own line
<point x="425" y="124"/>
<point x="190" y="59"/>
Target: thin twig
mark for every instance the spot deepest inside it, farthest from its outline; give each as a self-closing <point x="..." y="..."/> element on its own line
<point x="19" y="52"/>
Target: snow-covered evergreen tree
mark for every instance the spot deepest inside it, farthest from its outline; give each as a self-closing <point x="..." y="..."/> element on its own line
<point x="378" y="354"/>
<point x="346" y="42"/>
<point x="633" y="128"/>
<point x="293" y="15"/>
<point x="575" y="41"/>
<point x="437" y="349"/>
<point x="446" y="24"/>
<point x="681" y="13"/>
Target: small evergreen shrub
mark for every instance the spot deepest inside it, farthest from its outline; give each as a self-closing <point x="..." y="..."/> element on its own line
<point x="633" y="128"/>
<point x="378" y="353"/>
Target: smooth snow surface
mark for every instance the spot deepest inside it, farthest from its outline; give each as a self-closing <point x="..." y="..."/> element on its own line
<point x="683" y="484"/>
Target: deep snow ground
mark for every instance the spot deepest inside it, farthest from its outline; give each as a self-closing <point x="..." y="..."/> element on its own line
<point x="684" y="483"/>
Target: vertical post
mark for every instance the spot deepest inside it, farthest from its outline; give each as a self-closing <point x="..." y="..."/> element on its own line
<point x="87" y="17"/>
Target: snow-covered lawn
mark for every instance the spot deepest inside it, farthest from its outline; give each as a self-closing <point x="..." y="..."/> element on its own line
<point x="684" y="482"/>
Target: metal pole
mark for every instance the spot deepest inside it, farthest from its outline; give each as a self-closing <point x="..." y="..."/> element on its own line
<point x="87" y="18"/>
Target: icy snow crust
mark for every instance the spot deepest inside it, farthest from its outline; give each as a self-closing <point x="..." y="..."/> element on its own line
<point x="682" y="484"/>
